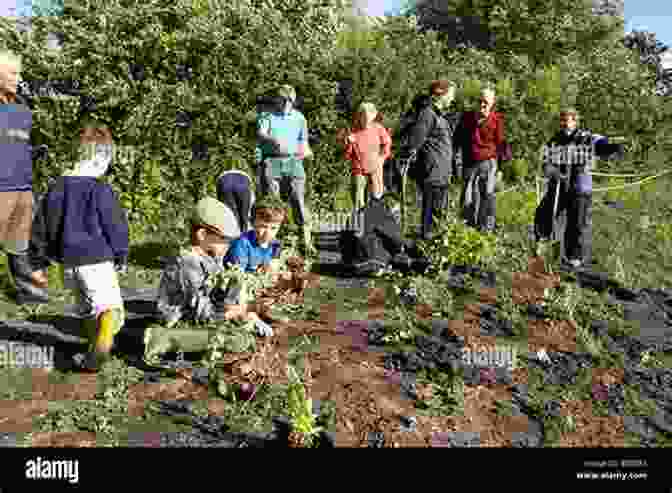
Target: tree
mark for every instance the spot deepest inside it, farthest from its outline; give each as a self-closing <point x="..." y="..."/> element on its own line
<point x="144" y="65"/>
<point x="650" y="52"/>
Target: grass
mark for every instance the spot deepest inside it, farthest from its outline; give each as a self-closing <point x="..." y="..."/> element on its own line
<point x="637" y="257"/>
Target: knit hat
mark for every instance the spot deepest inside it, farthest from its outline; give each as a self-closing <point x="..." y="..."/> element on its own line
<point x="215" y="215"/>
<point x="287" y="92"/>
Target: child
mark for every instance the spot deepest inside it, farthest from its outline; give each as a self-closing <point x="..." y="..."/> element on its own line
<point x="234" y="188"/>
<point x="82" y="226"/>
<point x="256" y="251"/>
<point x="183" y="289"/>
<point x="367" y="147"/>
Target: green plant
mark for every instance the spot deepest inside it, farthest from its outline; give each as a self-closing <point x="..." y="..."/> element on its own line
<point x="300" y="408"/>
<point x="457" y="244"/>
<point x="447" y="394"/>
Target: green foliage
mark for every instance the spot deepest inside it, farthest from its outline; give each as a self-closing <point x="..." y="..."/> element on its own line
<point x="516" y="208"/>
<point x="457" y="244"/>
<point x="545" y="56"/>
<point x="300" y="408"/>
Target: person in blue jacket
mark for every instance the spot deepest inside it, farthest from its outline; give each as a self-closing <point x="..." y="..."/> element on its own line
<point x="82" y="226"/>
<point x="16" y="183"/>
<point x="573" y="187"/>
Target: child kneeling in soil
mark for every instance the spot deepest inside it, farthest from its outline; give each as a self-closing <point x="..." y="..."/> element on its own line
<point x="256" y="250"/>
<point x="82" y="226"/>
<point x="186" y="290"/>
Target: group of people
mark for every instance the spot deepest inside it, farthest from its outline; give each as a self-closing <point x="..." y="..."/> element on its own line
<point x="80" y="224"/>
<point x="437" y="144"/>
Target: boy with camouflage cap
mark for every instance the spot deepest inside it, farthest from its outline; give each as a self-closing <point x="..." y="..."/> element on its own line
<point x="183" y="290"/>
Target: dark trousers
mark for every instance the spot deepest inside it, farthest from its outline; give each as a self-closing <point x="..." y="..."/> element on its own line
<point x="434" y="204"/>
<point x="235" y="191"/>
<point x="579" y="210"/>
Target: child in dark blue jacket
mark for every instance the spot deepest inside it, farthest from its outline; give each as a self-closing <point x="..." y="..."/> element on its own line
<point x="82" y="226"/>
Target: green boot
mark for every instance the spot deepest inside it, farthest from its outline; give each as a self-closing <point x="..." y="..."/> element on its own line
<point x="358" y="192"/>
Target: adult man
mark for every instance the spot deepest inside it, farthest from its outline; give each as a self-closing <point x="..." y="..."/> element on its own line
<point x="427" y="141"/>
<point x="480" y="135"/>
<point x="282" y="145"/>
<point x="574" y="194"/>
<point x="16" y="180"/>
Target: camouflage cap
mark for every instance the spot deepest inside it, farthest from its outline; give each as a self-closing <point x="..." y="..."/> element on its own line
<point x="213" y="214"/>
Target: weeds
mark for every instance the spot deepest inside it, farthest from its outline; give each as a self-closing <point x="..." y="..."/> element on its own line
<point x="447" y="394"/>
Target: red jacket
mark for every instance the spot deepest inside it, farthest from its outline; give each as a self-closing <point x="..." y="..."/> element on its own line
<point x="483" y="141"/>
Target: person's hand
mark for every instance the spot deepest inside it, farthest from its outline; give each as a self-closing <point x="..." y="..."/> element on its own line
<point x="121" y="266"/>
<point x="264" y="269"/>
<point x="551" y="172"/>
<point x="281" y="147"/>
<point x="40" y="279"/>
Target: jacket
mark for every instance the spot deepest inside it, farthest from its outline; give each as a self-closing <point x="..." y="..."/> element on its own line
<point x="367" y="142"/>
<point x="431" y="136"/>
<point x="16" y="167"/>
<point x="80" y="222"/>
<point x="480" y="143"/>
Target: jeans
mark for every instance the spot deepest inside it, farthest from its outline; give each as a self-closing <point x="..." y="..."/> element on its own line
<point x="478" y="194"/>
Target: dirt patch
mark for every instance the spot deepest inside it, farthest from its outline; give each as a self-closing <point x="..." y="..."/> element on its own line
<point x="367" y="397"/>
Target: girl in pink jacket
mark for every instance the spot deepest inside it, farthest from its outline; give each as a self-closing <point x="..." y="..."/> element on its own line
<point x="367" y="146"/>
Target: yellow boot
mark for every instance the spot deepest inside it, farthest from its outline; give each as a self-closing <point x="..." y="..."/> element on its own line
<point x="102" y="332"/>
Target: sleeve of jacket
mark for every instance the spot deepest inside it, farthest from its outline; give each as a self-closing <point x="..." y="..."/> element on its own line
<point x="501" y="135"/>
<point x="459" y="139"/>
<point x="386" y="141"/>
<point x="420" y="131"/>
<point x="113" y="221"/>
<point x="39" y="240"/>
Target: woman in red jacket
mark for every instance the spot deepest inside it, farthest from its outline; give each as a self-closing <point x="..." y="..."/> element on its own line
<point x="367" y="146"/>
<point x="480" y="135"/>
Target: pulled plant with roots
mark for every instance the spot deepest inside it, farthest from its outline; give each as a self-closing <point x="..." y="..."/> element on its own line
<point x="300" y="409"/>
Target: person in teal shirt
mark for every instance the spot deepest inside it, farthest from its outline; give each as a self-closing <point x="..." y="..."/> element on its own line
<point x="282" y="145"/>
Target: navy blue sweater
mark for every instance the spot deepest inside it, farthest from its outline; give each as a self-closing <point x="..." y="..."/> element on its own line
<point x="16" y="164"/>
<point x="79" y="222"/>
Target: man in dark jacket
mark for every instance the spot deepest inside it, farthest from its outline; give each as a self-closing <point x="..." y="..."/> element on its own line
<point x="428" y="143"/>
<point x="570" y="171"/>
<point x="479" y="136"/>
<point x="16" y="182"/>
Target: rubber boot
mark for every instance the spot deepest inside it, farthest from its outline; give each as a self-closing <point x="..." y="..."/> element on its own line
<point x="358" y="192"/>
<point x="21" y="272"/>
<point x="102" y="332"/>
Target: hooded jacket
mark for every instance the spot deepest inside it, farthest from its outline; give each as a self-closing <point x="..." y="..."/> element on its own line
<point x="16" y="169"/>
<point x="80" y="221"/>
<point x="431" y="135"/>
